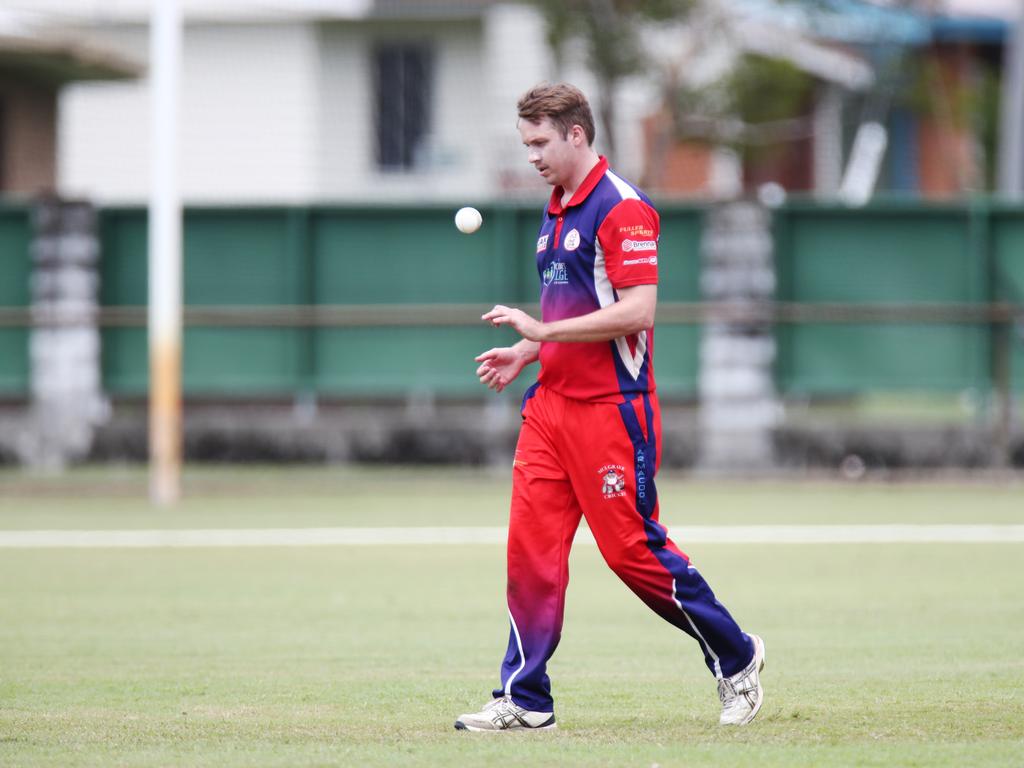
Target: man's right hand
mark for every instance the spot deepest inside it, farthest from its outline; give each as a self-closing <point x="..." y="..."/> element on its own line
<point x="500" y="366"/>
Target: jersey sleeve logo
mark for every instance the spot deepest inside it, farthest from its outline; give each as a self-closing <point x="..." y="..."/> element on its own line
<point x="572" y="240"/>
<point x="639" y="245"/>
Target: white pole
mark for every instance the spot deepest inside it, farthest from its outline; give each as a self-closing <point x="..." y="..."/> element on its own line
<point x="861" y="176"/>
<point x="1011" y="134"/>
<point x="165" y="292"/>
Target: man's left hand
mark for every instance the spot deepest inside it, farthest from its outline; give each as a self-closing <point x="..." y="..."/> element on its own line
<point x="524" y="325"/>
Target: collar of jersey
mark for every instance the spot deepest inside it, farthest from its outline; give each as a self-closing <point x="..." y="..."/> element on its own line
<point x="555" y="207"/>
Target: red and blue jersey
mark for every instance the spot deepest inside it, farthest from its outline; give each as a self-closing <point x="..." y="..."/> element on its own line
<point x="604" y="239"/>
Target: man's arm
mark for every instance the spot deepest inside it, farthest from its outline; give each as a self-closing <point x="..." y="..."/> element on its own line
<point x="632" y="313"/>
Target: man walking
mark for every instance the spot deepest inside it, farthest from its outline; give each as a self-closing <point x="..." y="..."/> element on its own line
<point x="590" y="440"/>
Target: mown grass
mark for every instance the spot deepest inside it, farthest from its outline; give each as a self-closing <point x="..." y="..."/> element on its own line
<point x="877" y="655"/>
<point x="252" y="497"/>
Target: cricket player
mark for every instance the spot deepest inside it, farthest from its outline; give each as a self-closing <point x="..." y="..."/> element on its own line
<point x="590" y="439"/>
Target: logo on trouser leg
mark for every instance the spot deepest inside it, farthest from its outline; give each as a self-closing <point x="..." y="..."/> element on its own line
<point x="613" y="480"/>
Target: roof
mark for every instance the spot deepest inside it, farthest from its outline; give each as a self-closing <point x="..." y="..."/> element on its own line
<point x="844" y="21"/>
<point x="1007" y="10"/>
<point x="54" y="61"/>
<point x="138" y="11"/>
<point x="865" y="22"/>
<point x="821" y="60"/>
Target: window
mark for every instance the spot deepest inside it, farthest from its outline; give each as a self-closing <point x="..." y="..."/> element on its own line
<point x="403" y="87"/>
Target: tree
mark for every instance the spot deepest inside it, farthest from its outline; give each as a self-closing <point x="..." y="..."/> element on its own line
<point x="612" y="32"/>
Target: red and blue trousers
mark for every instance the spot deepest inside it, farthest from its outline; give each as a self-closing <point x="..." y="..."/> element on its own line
<point x="578" y="459"/>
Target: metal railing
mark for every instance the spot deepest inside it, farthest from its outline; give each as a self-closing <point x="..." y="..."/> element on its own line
<point x="439" y="315"/>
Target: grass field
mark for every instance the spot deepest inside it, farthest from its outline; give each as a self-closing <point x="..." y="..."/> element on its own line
<point x="906" y="654"/>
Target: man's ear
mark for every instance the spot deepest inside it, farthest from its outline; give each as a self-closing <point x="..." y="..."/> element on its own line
<point x="579" y="136"/>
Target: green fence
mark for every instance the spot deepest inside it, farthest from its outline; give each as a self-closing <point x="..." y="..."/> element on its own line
<point x="901" y="255"/>
<point x="884" y="255"/>
<point x="880" y="256"/>
<point x="353" y="256"/>
<point x="14" y="283"/>
<point x="1004" y="244"/>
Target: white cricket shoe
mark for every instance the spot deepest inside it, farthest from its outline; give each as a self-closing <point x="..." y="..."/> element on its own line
<point x="741" y="694"/>
<point x="504" y="715"/>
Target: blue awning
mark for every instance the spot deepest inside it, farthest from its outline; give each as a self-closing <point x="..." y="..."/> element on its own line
<point x="845" y="21"/>
<point x="969" y="29"/>
<point x="854" y="21"/>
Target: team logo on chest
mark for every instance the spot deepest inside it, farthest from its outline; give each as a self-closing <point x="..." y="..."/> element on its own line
<point x="613" y="480"/>
<point x="572" y="240"/>
<point x="555" y="274"/>
<point x="542" y="243"/>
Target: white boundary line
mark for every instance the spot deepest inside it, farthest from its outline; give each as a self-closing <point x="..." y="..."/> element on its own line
<point x="314" y="537"/>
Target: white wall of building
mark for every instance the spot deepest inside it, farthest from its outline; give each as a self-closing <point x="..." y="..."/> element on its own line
<point x="283" y="111"/>
<point x="248" y="126"/>
<point x="249" y="111"/>
<point x="345" y="138"/>
<point x="516" y="57"/>
<point x="102" y="130"/>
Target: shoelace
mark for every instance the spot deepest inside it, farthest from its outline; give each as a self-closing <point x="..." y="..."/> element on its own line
<point x="505" y="710"/>
<point x="728" y="690"/>
<point x="495" y="703"/>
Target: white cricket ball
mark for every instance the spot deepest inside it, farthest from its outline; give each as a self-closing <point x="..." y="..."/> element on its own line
<point x="468" y="220"/>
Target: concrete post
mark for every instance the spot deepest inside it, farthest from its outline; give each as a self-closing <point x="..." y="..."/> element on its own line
<point x="64" y="344"/>
<point x="738" y="404"/>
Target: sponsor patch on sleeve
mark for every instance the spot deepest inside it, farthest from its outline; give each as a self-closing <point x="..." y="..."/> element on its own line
<point x="639" y="245"/>
<point x="637" y="230"/>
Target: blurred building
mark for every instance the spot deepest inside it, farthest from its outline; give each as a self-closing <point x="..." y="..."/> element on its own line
<point x="927" y="73"/>
<point x="308" y="101"/>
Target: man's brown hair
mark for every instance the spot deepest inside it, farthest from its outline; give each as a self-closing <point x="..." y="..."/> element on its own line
<point x="563" y="104"/>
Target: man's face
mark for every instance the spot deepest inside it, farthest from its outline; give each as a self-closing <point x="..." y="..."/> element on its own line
<point x="553" y="155"/>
